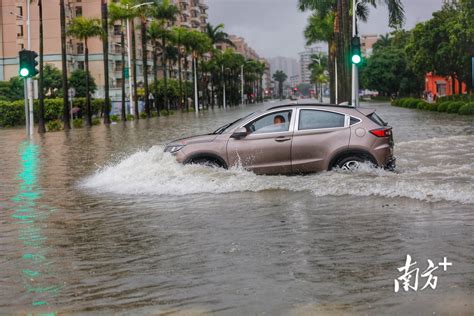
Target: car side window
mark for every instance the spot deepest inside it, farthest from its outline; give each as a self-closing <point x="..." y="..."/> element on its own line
<point x="271" y="123"/>
<point x="314" y="119"/>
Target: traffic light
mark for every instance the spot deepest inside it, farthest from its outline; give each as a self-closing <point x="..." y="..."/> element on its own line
<point x="356" y="56"/>
<point x="28" y="63"/>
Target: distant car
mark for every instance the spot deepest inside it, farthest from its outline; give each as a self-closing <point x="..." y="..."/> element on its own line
<point x="294" y="138"/>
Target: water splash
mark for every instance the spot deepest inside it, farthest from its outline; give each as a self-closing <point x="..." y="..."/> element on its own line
<point x="423" y="175"/>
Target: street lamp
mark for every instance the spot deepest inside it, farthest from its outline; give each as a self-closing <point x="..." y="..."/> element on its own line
<point x="132" y="99"/>
<point x="355" y="59"/>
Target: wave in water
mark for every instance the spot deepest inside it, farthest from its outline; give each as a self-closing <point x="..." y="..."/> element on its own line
<point x="429" y="170"/>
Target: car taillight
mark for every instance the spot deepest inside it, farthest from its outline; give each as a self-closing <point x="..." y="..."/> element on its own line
<point x="382" y="132"/>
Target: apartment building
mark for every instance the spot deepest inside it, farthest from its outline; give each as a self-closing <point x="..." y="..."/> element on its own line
<point x="305" y="61"/>
<point x="13" y="38"/>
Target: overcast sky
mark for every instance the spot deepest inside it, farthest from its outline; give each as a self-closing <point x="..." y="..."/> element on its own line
<point x="275" y="27"/>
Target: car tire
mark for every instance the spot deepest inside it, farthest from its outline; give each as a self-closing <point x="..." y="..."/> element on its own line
<point x="207" y="162"/>
<point x="351" y="163"/>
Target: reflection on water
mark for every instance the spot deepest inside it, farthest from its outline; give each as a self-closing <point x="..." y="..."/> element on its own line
<point x="34" y="263"/>
<point x="100" y="221"/>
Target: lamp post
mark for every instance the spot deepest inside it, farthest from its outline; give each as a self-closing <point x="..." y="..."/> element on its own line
<point x="355" y="70"/>
<point x="131" y="98"/>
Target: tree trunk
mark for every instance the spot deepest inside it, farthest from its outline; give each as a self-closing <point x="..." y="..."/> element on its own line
<point x="105" y="52"/>
<point x="66" y="121"/>
<point x="165" y="70"/>
<point x="134" y="66"/>
<point x="331" y="65"/>
<point x="186" y="101"/>
<point x="41" y="127"/>
<point x="181" y="101"/>
<point x="88" y="95"/>
<point x="145" y="68"/>
<point x="155" y="78"/>
<point x="122" y="42"/>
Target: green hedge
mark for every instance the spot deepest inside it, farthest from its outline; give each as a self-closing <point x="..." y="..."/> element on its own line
<point x="467" y="109"/>
<point x="12" y="113"/>
<point x="444" y="105"/>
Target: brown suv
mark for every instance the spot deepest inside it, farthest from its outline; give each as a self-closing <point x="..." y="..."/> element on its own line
<point x="294" y="138"/>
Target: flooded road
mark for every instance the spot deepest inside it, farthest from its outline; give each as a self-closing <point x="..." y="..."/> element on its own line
<point x="100" y="222"/>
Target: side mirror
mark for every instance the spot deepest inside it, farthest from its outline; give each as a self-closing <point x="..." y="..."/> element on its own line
<point x="239" y="133"/>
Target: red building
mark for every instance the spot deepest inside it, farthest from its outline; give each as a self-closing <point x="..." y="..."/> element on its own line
<point x="441" y="86"/>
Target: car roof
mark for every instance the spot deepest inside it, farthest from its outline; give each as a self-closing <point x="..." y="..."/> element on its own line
<point x="310" y="104"/>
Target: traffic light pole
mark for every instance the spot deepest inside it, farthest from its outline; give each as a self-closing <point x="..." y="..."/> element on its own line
<point x="355" y="70"/>
<point x="29" y="82"/>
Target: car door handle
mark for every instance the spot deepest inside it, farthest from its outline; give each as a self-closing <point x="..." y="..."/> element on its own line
<point x="282" y="139"/>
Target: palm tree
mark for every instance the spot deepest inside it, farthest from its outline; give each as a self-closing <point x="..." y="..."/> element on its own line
<point x="121" y="13"/>
<point x="198" y="43"/>
<point x="83" y="28"/>
<point x="154" y="35"/>
<point x="177" y="35"/>
<point x="165" y="12"/>
<point x="62" y="9"/>
<point x="280" y="77"/>
<point x="41" y="127"/>
<point x="217" y="35"/>
<point x="144" y="12"/>
<point x="105" y="52"/>
<point x="338" y="12"/>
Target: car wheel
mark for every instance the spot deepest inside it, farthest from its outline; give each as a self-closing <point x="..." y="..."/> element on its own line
<point x="351" y="163"/>
<point x="212" y="163"/>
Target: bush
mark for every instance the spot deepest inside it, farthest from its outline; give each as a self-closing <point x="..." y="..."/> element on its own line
<point x="114" y="118"/>
<point x="95" y="121"/>
<point x="431" y="107"/>
<point x="467" y="109"/>
<point x="12" y="113"/>
<point x="421" y="105"/>
<point x="443" y="107"/>
<point x="77" y="123"/>
<point x="455" y="106"/>
<point x="143" y="115"/>
<point x="165" y="112"/>
<point x="54" y="126"/>
<point x="130" y="117"/>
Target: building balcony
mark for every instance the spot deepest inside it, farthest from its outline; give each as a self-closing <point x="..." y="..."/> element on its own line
<point x="203" y="6"/>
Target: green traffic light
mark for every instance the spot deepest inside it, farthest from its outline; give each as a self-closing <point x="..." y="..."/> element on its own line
<point x="356" y="59"/>
<point x="24" y="72"/>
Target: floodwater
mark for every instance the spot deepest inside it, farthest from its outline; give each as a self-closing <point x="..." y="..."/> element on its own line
<point x="99" y="221"/>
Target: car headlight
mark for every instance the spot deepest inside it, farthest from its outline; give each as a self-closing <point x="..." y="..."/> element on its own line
<point x="173" y="148"/>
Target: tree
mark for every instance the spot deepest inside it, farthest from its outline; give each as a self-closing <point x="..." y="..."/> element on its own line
<point x="177" y="35"/>
<point x="154" y="35"/>
<point x="280" y="77"/>
<point x="387" y="72"/>
<point x="41" y="120"/>
<point x="198" y="43"/>
<point x="444" y="44"/>
<point x="78" y="81"/>
<point x="66" y="121"/>
<point x="118" y="12"/>
<point x="338" y="13"/>
<point x="105" y="52"/>
<point x="12" y="90"/>
<point x="217" y="35"/>
<point x="52" y="81"/>
<point x="84" y="28"/>
<point x="164" y="12"/>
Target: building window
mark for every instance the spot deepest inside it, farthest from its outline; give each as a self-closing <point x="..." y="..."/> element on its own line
<point x="20" y="31"/>
<point x="19" y="11"/>
<point x="80" y="48"/>
<point x="78" y="11"/>
<point x="80" y="65"/>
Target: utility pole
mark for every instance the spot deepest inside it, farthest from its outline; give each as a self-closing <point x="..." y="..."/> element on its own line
<point x="355" y="70"/>
<point x="242" y="83"/>
<point x="29" y="82"/>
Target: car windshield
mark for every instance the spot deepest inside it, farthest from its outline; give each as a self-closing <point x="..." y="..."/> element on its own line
<point x="230" y="126"/>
